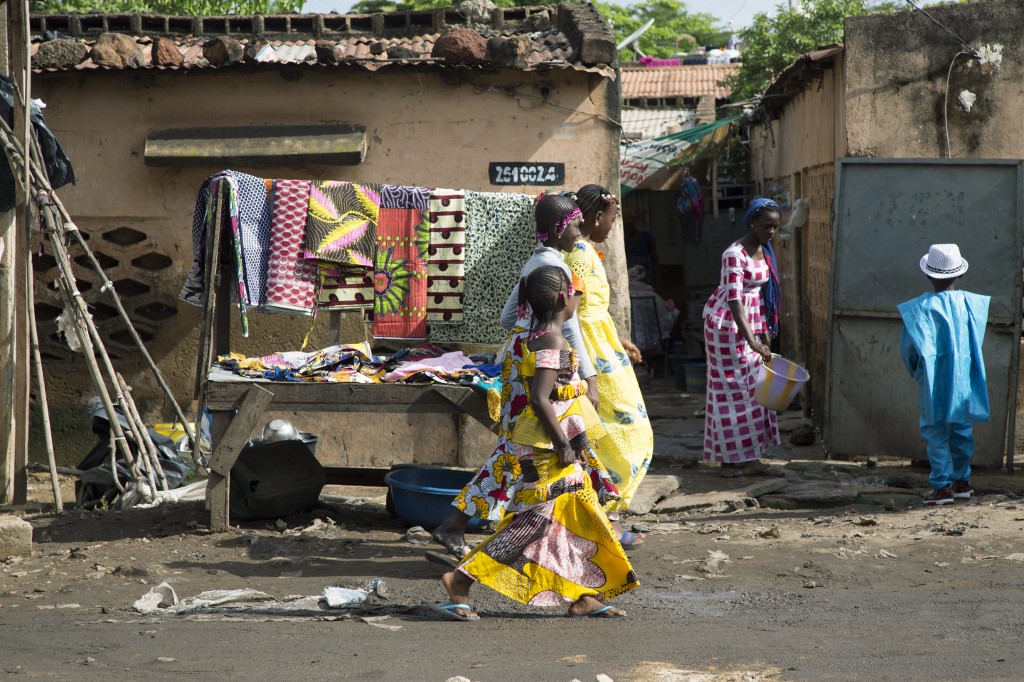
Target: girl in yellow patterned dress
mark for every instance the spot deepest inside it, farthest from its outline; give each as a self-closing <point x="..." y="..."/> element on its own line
<point x="627" y="448"/>
<point x="555" y="545"/>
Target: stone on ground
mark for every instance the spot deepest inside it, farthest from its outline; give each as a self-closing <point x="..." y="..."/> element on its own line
<point x="15" y="537"/>
<point x="652" y="489"/>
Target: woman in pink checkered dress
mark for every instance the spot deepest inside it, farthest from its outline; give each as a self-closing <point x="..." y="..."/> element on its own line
<point x="738" y="429"/>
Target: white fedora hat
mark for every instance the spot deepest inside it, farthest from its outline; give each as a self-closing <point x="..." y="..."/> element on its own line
<point x="943" y="261"/>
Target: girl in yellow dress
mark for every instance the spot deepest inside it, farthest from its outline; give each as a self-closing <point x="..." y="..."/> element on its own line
<point x="627" y="447"/>
<point x="555" y="545"/>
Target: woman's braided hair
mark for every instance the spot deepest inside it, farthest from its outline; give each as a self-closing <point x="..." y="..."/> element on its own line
<point x="550" y="213"/>
<point x="540" y="290"/>
<point x="593" y="198"/>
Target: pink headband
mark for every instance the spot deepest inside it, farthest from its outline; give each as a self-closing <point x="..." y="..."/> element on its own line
<point x="561" y="224"/>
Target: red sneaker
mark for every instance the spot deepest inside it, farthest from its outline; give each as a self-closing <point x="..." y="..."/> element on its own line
<point x="939" y="497"/>
<point x="962" y="490"/>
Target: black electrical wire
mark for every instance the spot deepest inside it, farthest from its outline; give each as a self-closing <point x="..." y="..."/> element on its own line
<point x="970" y="50"/>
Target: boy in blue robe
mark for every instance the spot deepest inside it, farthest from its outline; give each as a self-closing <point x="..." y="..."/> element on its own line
<point x="941" y="347"/>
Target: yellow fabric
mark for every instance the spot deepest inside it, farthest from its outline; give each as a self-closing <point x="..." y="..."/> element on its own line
<point x="527" y="429"/>
<point x="577" y="555"/>
<point x="628" y="445"/>
<point x="494" y="404"/>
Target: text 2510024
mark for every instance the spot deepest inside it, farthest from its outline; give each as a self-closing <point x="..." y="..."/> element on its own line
<point x="526" y="173"/>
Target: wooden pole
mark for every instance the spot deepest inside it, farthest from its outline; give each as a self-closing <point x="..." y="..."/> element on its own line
<point x="8" y="315"/>
<point x="20" y="46"/>
<point x="84" y="330"/>
<point x="156" y="470"/>
<point x="37" y="361"/>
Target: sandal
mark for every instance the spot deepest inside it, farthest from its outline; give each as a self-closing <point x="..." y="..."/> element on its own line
<point x="731" y="471"/>
<point x="765" y="470"/>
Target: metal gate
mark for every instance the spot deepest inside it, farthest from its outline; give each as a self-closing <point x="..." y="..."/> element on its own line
<point x="888" y="211"/>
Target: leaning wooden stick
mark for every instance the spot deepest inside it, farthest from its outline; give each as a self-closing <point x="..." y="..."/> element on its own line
<point x="37" y="361"/>
<point x="108" y="286"/>
<point x="145" y="441"/>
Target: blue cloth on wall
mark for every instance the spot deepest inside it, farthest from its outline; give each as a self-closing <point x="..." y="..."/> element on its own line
<point x="941" y="346"/>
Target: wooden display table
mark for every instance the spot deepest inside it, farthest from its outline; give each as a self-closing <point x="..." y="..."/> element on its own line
<point x="237" y="403"/>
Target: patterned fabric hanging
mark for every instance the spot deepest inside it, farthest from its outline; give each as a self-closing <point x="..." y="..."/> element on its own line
<point x="339" y="291"/>
<point x="500" y="236"/>
<point x="446" y="255"/>
<point x="400" y="273"/>
<point x="291" y="280"/>
<point x="342" y="223"/>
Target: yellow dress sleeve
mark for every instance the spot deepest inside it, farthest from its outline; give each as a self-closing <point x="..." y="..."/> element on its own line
<point x="578" y="261"/>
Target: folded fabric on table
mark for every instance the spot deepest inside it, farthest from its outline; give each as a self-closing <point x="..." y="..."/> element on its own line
<point x="291" y="280"/>
<point x="348" y="363"/>
<point x="447" y="368"/>
<point x="500" y="237"/>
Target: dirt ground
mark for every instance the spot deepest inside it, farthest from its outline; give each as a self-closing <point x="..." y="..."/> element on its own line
<point x="878" y="587"/>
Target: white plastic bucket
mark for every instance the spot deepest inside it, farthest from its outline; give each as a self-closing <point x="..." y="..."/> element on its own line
<point x="778" y="383"/>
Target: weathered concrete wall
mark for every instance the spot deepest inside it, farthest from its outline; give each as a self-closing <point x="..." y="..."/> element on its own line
<point x="809" y="132"/>
<point x="423" y="130"/>
<point x="796" y="154"/>
<point x="897" y="66"/>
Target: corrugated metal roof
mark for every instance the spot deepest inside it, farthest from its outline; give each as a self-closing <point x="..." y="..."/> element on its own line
<point x="676" y="81"/>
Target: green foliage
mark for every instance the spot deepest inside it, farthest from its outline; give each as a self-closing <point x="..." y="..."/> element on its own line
<point x="672" y="23"/>
<point x="170" y="7"/>
<point x="772" y="43"/>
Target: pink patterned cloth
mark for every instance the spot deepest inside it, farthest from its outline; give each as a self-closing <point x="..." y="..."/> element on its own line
<point x="742" y="279"/>
<point x="291" y="280"/>
<point x="737" y="428"/>
<point x="449" y="364"/>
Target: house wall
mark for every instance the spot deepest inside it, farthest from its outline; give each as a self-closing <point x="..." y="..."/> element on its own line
<point x="795" y="155"/>
<point x="897" y="69"/>
<point x="437" y="129"/>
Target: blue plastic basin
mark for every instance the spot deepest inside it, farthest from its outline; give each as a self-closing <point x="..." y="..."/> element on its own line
<point x="423" y="497"/>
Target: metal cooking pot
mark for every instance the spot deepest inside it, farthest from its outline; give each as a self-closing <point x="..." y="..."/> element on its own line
<point x="278" y="430"/>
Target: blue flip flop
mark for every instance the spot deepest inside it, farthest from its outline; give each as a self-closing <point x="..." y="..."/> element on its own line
<point x="599" y="613"/>
<point x="447" y="610"/>
<point x="629" y="540"/>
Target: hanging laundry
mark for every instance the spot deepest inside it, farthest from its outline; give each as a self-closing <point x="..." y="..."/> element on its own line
<point x="242" y="200"/>
<point x="500" y="236"/>
<point x="446" y="255"/>
<point x="342" y="223"/>
<point x="400" y="274"/>
<point x="291" y="280"/>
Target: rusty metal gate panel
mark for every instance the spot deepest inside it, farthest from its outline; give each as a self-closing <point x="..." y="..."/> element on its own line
<point x="888" y="211"/>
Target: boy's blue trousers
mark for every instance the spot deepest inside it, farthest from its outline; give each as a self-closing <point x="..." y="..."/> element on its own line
<point x="950" y="447"/>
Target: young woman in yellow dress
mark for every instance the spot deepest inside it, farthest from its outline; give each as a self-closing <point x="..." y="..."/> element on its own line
<point x="627" y="447"/>
<point x="555" y="545"/>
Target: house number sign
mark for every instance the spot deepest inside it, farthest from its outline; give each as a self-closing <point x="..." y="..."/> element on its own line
<point x="526" y="173"/>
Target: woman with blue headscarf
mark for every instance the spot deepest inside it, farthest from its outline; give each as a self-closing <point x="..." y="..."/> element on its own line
<point x="740" y="319"/>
